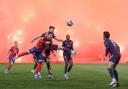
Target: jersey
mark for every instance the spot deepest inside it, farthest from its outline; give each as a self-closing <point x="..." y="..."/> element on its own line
<point x="69" y="45"/>
<point x="40" y="44"/>
<point x="47" y="37"/>
<point x="111" y="47"/>
<point x="13" y="51"/>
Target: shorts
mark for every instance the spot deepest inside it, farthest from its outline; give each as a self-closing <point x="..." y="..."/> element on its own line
<point x="115" y="59"/>
<point x="67" y="57"/>
<point x="55" y="47"/>
<point x="38" y="56"/>
<point x="11" y="59"/>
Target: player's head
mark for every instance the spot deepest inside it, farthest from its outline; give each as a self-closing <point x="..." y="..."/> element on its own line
<point x="68" y="37"/>
<point x="51" y="29"/>
<point x="15" y="43"/>
<point x="106" y="35"/>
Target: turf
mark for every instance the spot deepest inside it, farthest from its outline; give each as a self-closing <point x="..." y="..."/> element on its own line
<point x="81" y="77"/>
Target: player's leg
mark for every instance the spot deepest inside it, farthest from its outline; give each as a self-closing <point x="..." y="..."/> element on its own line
<point x="35" y="65"/>
<point x="116" y="72"/>
<point x="113" y="61"/>
<point x="50" y="76"/>
<point x="116" y="76"/>
<point x="40" y="60"/>
<point x="66" y="67"/>
<point x="48" y="64"/>
<point x="24" y="53"/>
<point x="35" y="62"/>
<point x="111" y="72"/>
<point x="111" y="68"/>
<point x="10" y="65"/>
<point x="38" y="71"/>
<point x="70" y="64"/>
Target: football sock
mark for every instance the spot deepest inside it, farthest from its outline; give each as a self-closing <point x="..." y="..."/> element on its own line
<point x="69" y="68"/>
<point x="9" y="67"/>
<point x="38" y="68"/>
<point x="116" y="75"/>
<point x="35" y="66"/>
<point x="66" y="69"/>
<point x="112" y="74"/>
<point x="49" y="68"/>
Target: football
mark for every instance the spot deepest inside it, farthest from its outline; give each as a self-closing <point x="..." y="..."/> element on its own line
<point x="70" y="22"/>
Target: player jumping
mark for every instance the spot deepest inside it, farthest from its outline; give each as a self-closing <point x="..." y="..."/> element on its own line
<point x="45" y="37"/>
<point x="114" y="50"/>
<point x="12" y="53"/>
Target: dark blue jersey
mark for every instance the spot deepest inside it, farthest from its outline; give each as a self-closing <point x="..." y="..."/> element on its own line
<point x="48" y="35"/>
<point x="67" y="44"/>
<point x="111" y="47"/>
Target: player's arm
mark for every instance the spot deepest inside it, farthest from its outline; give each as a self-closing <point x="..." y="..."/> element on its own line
<point x="58" y="39"/>
<point x="107" y="50"/>
<point x="8" y="52"/>
<point x="61" y="47"/>
<point x="36" y="39"/>
<point x="51" y="47"/>
<point x="17" y="51"/>
<point x="73" y="51"/>
<point x="72" y="46"/>
<point x="53" y="52"/>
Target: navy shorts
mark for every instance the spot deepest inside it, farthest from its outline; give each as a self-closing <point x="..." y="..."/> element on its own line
<point x="55" y="47"/>
<point x="37" y="54"/>
<point x="67" y="57"/>
<point x="48" y="49"/>
<point x="115" y="59"/>
<point x="11" y="59"/>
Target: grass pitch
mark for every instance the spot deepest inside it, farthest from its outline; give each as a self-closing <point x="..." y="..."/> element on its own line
<point x="81" y="77"/>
